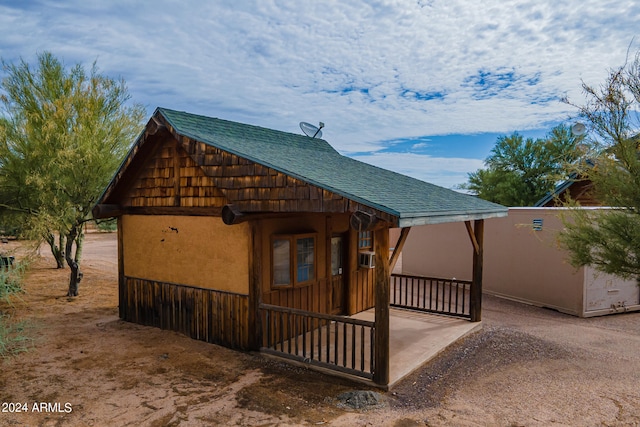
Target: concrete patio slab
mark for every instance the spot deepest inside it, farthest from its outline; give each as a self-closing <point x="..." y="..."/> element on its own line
<point x="415" y="338"/>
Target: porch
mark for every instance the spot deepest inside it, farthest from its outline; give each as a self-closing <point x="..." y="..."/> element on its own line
<point x="426" y="316"/>
<point x="415" y="338"/>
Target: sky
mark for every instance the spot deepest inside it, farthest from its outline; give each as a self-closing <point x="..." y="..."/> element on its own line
<point x="421" y="87"/>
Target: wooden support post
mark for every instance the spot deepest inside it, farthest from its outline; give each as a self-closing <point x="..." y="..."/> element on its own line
<point x="398" y="248"/>
<point x="381" y="351"/>
<point x="255" y="287"/>
<point x="476" y="283"/>
<point x="122" y="301"/>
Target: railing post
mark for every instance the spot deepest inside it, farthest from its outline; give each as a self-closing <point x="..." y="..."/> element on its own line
<point x="382" y="278"/>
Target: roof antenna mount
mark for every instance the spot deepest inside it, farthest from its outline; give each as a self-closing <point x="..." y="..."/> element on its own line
<point x="311" y="130"/>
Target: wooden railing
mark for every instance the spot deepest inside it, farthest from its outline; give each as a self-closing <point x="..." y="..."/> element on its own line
<point x="334" y="342"/>
<point x="430" y="294"/>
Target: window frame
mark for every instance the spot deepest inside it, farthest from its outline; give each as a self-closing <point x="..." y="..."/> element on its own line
<point x="293" y="259"/>
<point x="365" y="241"/>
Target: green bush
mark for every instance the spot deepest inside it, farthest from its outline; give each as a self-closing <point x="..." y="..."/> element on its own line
<point x="109" y="225"/>
<point x="12" y="337"/>
<point x="11" y="279"/>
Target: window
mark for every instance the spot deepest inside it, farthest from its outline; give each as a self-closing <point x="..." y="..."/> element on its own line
<point x="293" y="267"/>
<point x="305" y="262"/>
<point x="281" y="262"/>
<point x="365" y="241"/>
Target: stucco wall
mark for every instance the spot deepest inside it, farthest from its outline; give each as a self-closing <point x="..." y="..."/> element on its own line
<point x="518" y="262"/>
<point x="195" y="251"/>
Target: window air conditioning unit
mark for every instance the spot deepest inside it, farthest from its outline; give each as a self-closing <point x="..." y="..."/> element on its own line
<point x="367" y="259"/>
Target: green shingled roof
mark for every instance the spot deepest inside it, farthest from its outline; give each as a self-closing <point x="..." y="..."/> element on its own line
<point x="314" y="161"/>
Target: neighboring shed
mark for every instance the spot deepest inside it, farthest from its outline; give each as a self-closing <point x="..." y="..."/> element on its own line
<point x="523" y="262"/>
<point x="248" y="237"/>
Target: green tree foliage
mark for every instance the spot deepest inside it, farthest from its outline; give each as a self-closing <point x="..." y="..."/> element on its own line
<point x="609" y="239"/>
<point x="63" y="133"/>
<point x="520" y="171"/>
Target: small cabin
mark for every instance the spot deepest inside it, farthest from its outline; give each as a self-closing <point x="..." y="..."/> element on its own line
<point x="263" y="240"/>
<point x="576" y="188"/>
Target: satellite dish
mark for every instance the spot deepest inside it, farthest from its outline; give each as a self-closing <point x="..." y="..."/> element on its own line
<point x="311" y="130"/>
<point x="578" y="129"/>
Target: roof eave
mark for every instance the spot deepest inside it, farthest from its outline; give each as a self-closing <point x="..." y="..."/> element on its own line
<point x="411" y="220"/>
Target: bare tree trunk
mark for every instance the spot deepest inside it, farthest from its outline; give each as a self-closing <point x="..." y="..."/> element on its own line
<point x="56" y="250"/>
<point x="74" y="236"/>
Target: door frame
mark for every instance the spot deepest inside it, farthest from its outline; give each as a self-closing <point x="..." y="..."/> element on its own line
<point x="342" y="309"/>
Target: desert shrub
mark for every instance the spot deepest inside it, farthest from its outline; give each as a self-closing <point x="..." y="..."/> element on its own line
<point x="109" y="225"/>
<point x="11" y="277"/>
<point x="12" y="337"/>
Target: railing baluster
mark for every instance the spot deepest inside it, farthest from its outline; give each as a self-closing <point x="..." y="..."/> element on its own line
<point x="413" y="289"/>
<point x="320" y="322"/>
<point x="336" y="342"/>
<point x="279" y="331"/>
<point x="295" y="332"/>
<point x="372" y="355"/>
<point x="463" y="303"/>
<point x="328" y="341"/>
<point x="305" y="330"/>
<point x="313" y="334"/>
<point x="344" y="344"/>
<point x="393" y="292"/>
<point x="362" y="348"/>
<point x="353" y="346"/>
<point x="268" y="323"/>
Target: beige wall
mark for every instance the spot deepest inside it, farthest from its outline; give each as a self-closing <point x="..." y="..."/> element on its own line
<point x="195" y="251"/>
<point x="518" y="262"/>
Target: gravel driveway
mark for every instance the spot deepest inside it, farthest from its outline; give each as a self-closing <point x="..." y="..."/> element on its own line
<point x="528" y="366"/>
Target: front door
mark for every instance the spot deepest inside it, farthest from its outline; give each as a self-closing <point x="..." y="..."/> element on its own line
<point x="337" y="272"/>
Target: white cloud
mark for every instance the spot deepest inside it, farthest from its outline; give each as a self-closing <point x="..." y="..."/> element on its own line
<point x="443" y="171"/>
<point x="372" y="71"/>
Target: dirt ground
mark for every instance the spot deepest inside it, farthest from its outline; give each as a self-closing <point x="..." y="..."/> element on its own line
<point x="85" y="367"/>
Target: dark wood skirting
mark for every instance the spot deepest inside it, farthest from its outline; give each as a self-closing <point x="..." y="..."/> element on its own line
<point x="209" y="315"/>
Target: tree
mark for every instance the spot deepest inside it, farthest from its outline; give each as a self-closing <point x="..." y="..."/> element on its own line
<point x="521" y="171"/>
<point x="609" y="239"/>
<point x="63" y="133"/>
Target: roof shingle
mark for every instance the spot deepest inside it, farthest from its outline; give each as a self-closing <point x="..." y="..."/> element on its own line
<point x="314" y="161"/>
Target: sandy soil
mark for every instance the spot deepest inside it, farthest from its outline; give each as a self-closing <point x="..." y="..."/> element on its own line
<point x="85" y="367"/>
